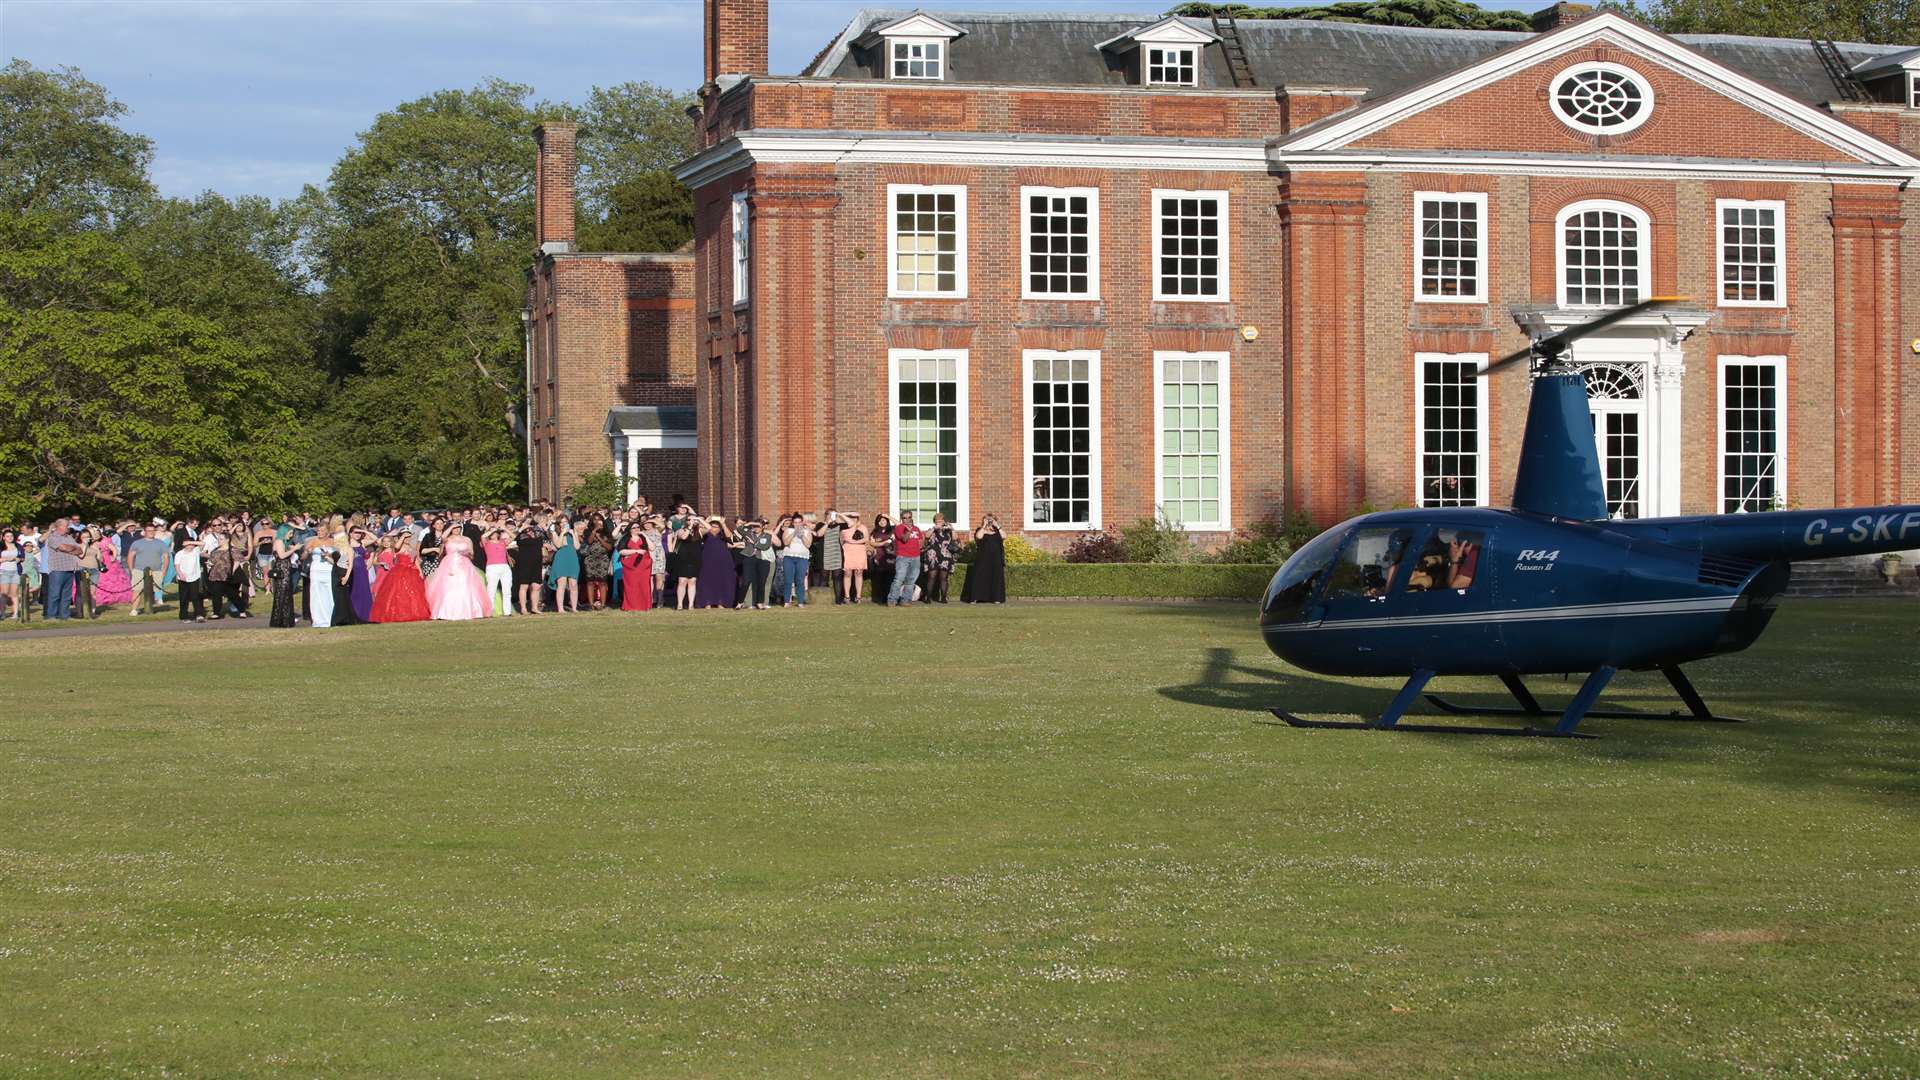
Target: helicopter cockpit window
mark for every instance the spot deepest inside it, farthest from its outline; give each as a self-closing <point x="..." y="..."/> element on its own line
<point x="1448" y="561"/>
<point x="1296" y="582"/>
<point x="1368" y="563"/>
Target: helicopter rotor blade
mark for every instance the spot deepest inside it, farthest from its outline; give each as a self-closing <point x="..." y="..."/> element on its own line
<point x="1557" y="343"/>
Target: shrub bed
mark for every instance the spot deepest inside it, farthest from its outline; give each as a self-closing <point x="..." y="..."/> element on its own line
<point x="1133" y="581"/>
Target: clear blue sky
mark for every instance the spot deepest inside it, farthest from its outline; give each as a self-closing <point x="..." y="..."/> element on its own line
<point x="262" y="96"/>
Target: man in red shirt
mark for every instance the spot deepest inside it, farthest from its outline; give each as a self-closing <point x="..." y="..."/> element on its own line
<point x="906" y="561"/>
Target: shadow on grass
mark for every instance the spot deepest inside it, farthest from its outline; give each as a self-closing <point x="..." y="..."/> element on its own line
<point x="1827" y="712"/>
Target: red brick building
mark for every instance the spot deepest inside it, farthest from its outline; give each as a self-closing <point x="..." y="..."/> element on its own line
<point x="1071" y="269"/>
<point x="609" y="361"/>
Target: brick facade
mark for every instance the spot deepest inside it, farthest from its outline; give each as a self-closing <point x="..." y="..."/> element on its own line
<point x="602" y="330"/>
<point x="1321" y="324"/>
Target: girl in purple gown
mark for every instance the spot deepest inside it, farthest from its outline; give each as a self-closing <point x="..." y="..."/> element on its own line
<point x="359" y="585"/>
<point x="717" y="581"/>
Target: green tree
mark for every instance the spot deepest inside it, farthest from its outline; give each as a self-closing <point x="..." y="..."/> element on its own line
<point x="62" y="153"/>
<point x="1440" y="14"/>
<point x="627" y="131"/>
<point x="422" y="240"/>
<point x="648" y="212"/>
<point x="1892" y="22"/>
<point x="110" y="404"/>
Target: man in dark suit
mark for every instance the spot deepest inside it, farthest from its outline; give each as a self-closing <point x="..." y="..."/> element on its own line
<point x="470" y="529"/>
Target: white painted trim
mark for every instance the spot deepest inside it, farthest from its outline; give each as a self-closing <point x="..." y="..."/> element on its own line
<point x="940" y="66"/>
<point x="1779" y="208"/>
<point x="919" y="24"/>
<point x="1648" y="44"/>
<point x="963" y="489"/>
<point x="1478" y="198"/>
<point x="1778" y="364"/>
<point x="1095" y="477"/>
<point x="1170" y="30"/>
<point x="1146" y="64"/>
<point x="1225" y="524"/>
<point x="946" y="148"/>
<point x="740" y="252"/>
<point x="1560" y="246"/>
<point x="1093" y="250"/>
<point x="959" y="291"/>
<point x="1611" y="167"/>
<point x="1225" y="295"/>
<point x="1913" y="89"/>
<point x="1482" y="433"/>
<point x="1638" y="80"/>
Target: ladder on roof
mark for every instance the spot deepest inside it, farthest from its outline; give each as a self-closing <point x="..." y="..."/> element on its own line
<point x="1228" y="32"/>
<point x="1843" y="78"/>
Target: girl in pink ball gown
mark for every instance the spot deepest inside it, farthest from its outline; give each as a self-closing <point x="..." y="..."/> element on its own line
<point x="457" y="590"/>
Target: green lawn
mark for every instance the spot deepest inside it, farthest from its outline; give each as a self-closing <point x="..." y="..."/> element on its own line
<point x="1038" y="840"/>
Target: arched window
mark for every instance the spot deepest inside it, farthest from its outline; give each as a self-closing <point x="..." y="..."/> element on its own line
<point x="1603" y="254"/>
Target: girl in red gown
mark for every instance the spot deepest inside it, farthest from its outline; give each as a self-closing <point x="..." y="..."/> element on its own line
<point x="636" y="574"/>
<point x="402" y="596"/>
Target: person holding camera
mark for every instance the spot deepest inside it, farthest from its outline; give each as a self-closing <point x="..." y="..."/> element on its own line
<point x="987" y="577"/>
<point x="796" y="548"/>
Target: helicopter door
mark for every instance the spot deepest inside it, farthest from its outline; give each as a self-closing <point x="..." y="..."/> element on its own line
<point x="1366" y="575"/>
<point x="1444" y="590"/>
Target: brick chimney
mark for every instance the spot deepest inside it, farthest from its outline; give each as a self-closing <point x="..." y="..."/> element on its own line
<point x="553" y="172"/>
<point x="1559" y="15"/>
<point x="736" y="38"/>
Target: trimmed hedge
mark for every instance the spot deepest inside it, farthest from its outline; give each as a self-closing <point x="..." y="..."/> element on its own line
<point x="1131" y="581"/>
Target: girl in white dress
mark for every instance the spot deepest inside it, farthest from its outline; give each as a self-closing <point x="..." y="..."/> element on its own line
<point x="320" y="582"/>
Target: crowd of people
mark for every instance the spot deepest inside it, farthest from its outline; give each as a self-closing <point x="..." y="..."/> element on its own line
<point x="338" y="570"/>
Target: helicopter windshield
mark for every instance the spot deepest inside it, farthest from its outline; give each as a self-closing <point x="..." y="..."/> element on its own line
<point x="1294" y="585"/>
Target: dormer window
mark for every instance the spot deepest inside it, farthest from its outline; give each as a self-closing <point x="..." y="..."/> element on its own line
<point x="1171" y="65"/>
<point x="916" y="59"/>
<point x="1167" y="53"/>
<point x="917" y="48"/>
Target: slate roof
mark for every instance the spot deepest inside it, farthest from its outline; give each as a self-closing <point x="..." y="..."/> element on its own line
<point x="1047" y="49"/>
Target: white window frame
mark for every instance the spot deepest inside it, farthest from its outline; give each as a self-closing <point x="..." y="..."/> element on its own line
<point x="1479" y="200"/>
<point x="1560" y="246"/>
<point x="1779" y="208"/>
<point x="1483" y="437"/>
<point x="1225" y="524"/>
<point x="1779" y="366"/>
<point x="1913" y="89"/>
<point x="1225" y="295"/>
<point x="962" y="440"/>
<point x="894" y="44"/>
<point x="1094" y="475"/>
<point x="1093" y="242"/>
<point x="959" y="191"/>
<point x="1638" y="80"/>
<point x="742" y="248"/>
<point x="1192" y="64"/>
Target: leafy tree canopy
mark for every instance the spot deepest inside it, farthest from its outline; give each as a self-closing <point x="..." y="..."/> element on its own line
<point x="648" y="212"/>
<point x="628" y="131"/>
<point x="1441" y="14"/>
<point x="62" y="152"/>
<point x="1886" y="22"/>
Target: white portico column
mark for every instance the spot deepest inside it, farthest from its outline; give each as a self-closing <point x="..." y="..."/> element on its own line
<point x="1665" y="435"/>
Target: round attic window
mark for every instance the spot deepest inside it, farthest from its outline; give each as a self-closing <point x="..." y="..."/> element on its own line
<point x="1602" y="99"/>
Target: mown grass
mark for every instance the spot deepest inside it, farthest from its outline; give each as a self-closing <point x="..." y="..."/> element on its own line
<point x="1036" y="840"/>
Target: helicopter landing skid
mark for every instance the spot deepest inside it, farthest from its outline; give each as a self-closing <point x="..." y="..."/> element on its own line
<point x="1390" y="719"/>
<point x="1427" y="729"/>
<point x="1697" y="711"/>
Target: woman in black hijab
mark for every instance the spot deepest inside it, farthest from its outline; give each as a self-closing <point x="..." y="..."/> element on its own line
<point x="987" y="577"/>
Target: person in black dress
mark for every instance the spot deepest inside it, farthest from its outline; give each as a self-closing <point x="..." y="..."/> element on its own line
<point x="281" y="575"/>
<point x="987" y="577"/>
<point x="880" y="562"/>
<point x="529" y="571"/>
<point x="343" y="613"/>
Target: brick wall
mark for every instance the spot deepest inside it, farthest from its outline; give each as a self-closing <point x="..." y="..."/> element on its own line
<point x="606" y="330"/>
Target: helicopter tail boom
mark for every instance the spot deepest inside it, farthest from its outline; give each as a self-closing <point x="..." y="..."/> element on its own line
<point x="1788" y="535"/>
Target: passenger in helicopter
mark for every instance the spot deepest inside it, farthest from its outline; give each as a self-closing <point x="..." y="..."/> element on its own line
<point x="1430" y="570"/>
<point x="1463" y="552"/>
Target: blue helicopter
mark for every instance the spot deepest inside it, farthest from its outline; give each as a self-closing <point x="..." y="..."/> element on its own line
<point x="1552" y="585"/>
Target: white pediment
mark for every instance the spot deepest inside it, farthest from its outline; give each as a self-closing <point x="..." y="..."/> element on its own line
<point x="917" y="25"/>
<point x="1169" y="31"/>
<point x="1340" y="131"/>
